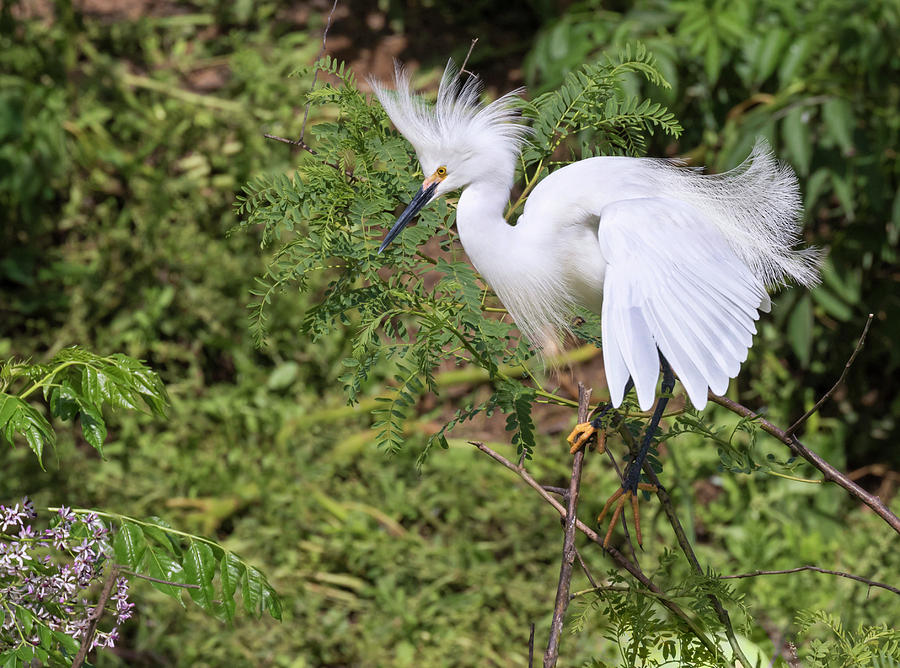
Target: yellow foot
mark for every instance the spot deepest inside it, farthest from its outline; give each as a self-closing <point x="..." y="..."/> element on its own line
<point x="619" y="499"/>
<point x="582" y="433"/>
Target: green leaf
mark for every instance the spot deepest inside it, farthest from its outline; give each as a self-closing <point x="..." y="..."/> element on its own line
<point x="272" y="602"/>
<point x="770" y="53"/>
<point x="159" y="564"/>
<point x="129" y="546"/>
<point x="283" y="376"/>
<point x="231" y="570"/>
<point x="19" y="417"/>
<point x="795" y="130"/>
<point x="68" y="643"/>
<point x="794" y="59"/>
<point x="64" y="402"/>
<point x="253" y="591"/>
<point x="8" y="407"/>
<point x="712" y="59"/>
<point x="199" y="569"/>
<point x="833" y="305"/>
<point x="800" y="329"/>
<point x="93" y="427"/>
<point x="838" y="116"/>
<point x="158" y="529"/>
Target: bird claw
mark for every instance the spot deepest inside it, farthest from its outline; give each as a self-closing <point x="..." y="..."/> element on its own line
<point x="582" y="433"/>
<point x="620" y="498"/>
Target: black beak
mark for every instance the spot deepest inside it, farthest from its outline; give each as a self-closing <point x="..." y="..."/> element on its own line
<point x="418" y="202"/>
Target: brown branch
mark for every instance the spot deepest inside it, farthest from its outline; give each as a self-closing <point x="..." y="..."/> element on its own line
<point x="859" y="344"/>
<point x="299" y="142"/>
<point x="462" y="69"/>
<point x="633" y="569"/>
<point x="165" y="582"/>
<point x="685" y="544"/>
<point x="816" y="569"/>
<point x="551" y="656"/>
<point x="94" y="617"/>
<point x="531" y="647"/>
<point x="309" y="149"/>
<point x="830" y="473"/>
<point x="295" y="142"/>
<point x="316" y="73"/>
<point x="585" y="569"/>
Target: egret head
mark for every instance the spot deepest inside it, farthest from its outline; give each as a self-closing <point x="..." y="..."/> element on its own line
<point x="458" y="141"/>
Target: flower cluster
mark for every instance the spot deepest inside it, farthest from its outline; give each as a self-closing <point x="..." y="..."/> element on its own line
<point x="45" y="574"/>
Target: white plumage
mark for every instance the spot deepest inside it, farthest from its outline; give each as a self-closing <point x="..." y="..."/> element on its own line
<point x="675" y="261"/>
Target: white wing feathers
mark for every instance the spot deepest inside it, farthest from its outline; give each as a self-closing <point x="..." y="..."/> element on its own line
<point x="673" y="282"/>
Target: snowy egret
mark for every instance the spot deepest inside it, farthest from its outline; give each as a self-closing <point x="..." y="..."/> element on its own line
<point x="676" y="263"/>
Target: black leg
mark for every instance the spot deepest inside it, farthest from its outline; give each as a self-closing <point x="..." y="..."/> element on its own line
<point x="597" y="421"/>
<point x="633" y="474"/>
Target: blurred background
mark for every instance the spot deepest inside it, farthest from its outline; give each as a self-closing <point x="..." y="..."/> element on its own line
<point x="127" y="128"/>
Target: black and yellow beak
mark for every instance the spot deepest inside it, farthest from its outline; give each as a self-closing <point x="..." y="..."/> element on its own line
<point x="417" y="204"/>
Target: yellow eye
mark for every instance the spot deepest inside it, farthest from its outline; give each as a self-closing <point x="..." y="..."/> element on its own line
<point x="441" y="171"/>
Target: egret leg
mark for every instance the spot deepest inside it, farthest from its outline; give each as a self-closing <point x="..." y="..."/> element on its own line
<point x="632" y="483"/>
<point x="584" y="430"/>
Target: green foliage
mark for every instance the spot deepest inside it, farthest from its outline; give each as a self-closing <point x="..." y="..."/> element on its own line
<point x="135" y="158"/>
<point x="867" y="646"/>
<point x="75" y="383"/>
<point x="211" y="574"/>
<point x="403" y="326"/>
<point x="591" y="102"/>
<point x="820" y="81"/>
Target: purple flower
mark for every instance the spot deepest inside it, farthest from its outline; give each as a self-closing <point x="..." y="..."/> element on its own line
<point x="12" y="517"/>
<point x="53" y="586"/>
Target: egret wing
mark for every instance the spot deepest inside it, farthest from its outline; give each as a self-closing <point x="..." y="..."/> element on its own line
<point x="674" y="284"/>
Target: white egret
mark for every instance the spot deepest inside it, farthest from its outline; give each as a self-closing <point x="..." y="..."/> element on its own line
<point x="676" y="263"/>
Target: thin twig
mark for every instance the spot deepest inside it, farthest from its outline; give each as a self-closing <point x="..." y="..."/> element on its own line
<point x="830" y="473"/>
<point x="562" y="491"/>
<point x="299" y="142"/>
<point x="531" y="647"/>
<point x="633" y="569"/>
<point x="462" y="69"/>
<point x="94" y="617"/>
<point x="685" y="544"/>
<point x="157" y="580"/>
<point x="568" y="553"/>
<point x="294" y="142"/>
<point x="585" y="569"/>
<point x="841" y="574"/>
<point x="316" y="73"/>
<point x="628" y="437"/>
<point x="309" y="149"/>
<point x="859" y="344"/>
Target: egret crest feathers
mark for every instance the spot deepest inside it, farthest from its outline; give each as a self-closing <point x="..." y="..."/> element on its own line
<point x="458" y="123"/>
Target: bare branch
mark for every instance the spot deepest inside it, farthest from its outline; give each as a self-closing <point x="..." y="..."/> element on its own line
<point x="688" y="550"/>
<point x="531" y="647"/>
<point x="165" y="582"/>
<point x="859" y="344"/>
<point x="568" y="556"/>
<point x="816" y="569"/>
<point x="585" y="569"/>
<point x="831" y="474"/>
<point x="633" y="569"/>
<point x="561" y="491"/>
<point x="462" y="69"/>
<point x="294" y="142"/>
<point x="316" y="73"/>
<point x="306" y="147"/>
<point x="299" y="142"/>
<point x="94" y="617"/>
